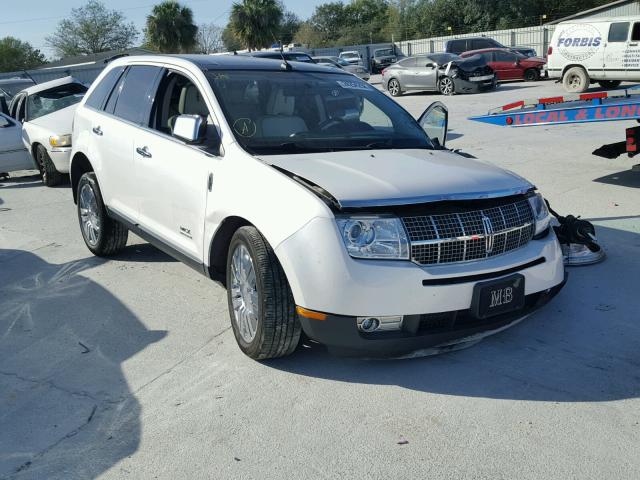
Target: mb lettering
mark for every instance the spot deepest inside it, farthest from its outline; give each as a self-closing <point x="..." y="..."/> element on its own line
<point x="580" y="42"/>
<point x="501" y="296"/>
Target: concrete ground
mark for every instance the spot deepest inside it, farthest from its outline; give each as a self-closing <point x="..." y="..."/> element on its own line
<point x="127" y="368"/>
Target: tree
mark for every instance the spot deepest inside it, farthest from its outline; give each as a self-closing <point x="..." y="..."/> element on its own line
<point x="289" y="26"/>
<point x="92" y="29"/>
<point x="170" y="28"/>
<point x="229" y="39"/>
<point x="256" y="22"/>
<point x="18" y="55"/>
<point x="209" y="38"/>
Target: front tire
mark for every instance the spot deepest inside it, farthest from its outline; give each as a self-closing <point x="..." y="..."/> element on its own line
<point x="50" y="176"/>
<point x="102" y="235"/>
<point x="394" y="88"/>
<point x="261" y="305"/>
<point x="531" y="75"/>
<point x="446" y="86"/>
<point x="576" y="80"/>
<point x="607" y="84"/>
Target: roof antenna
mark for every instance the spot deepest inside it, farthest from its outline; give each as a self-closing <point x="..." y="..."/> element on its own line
<point x="284" y="65"/>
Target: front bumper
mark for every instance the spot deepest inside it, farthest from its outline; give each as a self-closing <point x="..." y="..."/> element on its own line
<point x="428" y="333"/>
<point x="468" y="86"/>
<point x="60" y="156"/>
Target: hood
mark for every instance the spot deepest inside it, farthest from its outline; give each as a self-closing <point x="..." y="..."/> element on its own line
<point x="400" y="177"/>
<point x="58" y="122"/>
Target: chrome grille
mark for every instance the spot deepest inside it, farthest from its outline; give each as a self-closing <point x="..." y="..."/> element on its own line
<point x="467" y="236"/>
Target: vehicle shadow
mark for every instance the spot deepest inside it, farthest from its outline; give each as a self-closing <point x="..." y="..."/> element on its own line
<point x="626" y="178"/>
<point x="142" y="253"/>
<point x="26" y="181"/>
<point x="66" y="408"/>
<point x="582" y="347"/>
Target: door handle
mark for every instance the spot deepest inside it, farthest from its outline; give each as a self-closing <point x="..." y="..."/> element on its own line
<point x="210" y="182"/>
<point x="144" y="151"/>
<point x="97" y="130"/>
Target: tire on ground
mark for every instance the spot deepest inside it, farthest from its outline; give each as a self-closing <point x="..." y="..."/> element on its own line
<point x="609" y="83"/>
<point x="113" y="234"/>
<point x="278" y="328"/>
<point x="446" y="86"/>
<point x="531" y="75"/>
<point x="576" y="80"/>
<point x="395" y="92"/>
<point x="50" y="176"/>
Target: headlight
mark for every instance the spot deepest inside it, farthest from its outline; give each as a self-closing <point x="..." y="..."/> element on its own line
<point x="60" y="140"/>
<point x="540" y="213"/>
<point x="374" y="237"/>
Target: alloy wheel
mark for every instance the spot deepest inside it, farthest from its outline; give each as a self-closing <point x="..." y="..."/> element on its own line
<point x="446" y="86"/>
<point x="89" y="218"/>
<point x="394" y="87"/>
<point x="244" y="293"/>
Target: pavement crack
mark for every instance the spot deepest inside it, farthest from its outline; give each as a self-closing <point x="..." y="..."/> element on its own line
<point x="177" y="364"/>
<point x="51" y="384"/>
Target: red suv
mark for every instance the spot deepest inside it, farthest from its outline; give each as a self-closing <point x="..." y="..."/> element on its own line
<point x="509" y="65"/>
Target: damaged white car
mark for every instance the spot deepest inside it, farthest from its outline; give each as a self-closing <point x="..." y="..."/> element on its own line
<point x="46" y="113"/>
<point x="320" y="203"/>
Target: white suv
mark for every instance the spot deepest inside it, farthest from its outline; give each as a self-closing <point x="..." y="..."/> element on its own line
<point x="319" y="202"/>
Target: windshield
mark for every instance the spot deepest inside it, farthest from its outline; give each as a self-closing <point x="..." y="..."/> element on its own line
<point x="382" y="53"/>
<point x="54" y="99"/>
<point x="274" y="113"/>
<point x="349" y="55"/>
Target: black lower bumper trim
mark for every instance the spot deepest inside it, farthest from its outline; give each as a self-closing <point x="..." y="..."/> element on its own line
<point x="341" y="335"/>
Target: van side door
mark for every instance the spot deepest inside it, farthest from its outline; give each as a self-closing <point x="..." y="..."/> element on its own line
<point x="13" y="154"/>
<point x="615" y="51"/>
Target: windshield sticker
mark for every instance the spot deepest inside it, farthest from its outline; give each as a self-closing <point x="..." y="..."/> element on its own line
<point x="353" y="85"/>
<point x="245" y="127"/>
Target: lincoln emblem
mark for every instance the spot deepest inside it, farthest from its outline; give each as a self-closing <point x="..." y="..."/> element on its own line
<point x="488" y="233"/>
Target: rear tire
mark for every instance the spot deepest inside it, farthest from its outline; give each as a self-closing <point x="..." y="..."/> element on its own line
<point x="50" y="176"/>
<point x="531" y="75"/>
<point x="576" y="80"/>
<point x="609" y="83"/>
<point x="394" y="88"/>
<point x="102" y="235"/>
<point x="261" y="305"/>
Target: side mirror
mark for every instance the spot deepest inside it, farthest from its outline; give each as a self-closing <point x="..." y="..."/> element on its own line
<point x="190" y="128"/>
<point x="431" y="65"/>
<point x="435" y="122"/>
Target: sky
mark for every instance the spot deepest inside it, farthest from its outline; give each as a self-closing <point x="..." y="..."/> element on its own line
<point x="33" y="20"/>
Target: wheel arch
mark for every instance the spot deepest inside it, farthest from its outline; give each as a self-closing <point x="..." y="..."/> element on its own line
<point x="219" y="247"/>
<point x="571" y="65"/>
<point x="34" y="153"/>
<point x="80" y="165"/>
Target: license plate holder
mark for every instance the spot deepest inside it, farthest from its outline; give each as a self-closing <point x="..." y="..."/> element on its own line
<point x="496" y="297"/>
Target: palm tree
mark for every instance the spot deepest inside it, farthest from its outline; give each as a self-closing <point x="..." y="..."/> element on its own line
<point x="256" y="22"/>
<point x="170" y="28"/>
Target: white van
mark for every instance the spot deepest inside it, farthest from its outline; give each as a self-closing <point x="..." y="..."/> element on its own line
<point x="606" y="51"/>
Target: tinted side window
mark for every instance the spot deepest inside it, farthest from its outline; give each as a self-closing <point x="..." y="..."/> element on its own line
<point x="635" y="33"/>
<point x="133" y="102"/>
<point x="22" y="109"/>
<point x="99" y="95"/>
<point x="505" y="57"/>
<point x="457" y="46"/>
<point x="481" y="43"/>
<point x="408" y="62"/>
<point x="618" y="32"/>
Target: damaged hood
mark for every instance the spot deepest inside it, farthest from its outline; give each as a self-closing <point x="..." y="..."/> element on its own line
<point x="58" y="122"/>
<point x="399" y="177"/>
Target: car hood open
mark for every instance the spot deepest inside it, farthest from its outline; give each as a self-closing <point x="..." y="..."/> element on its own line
<point x="58" y="122"/>
<point x="400" y="177"/>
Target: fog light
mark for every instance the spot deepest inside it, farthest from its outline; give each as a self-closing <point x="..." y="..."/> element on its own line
<point x="380" y="324"/>
<point x="369" y="324"/>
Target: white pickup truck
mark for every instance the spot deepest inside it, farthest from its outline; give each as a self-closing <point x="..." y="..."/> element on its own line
<point x="318" y="201"/>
